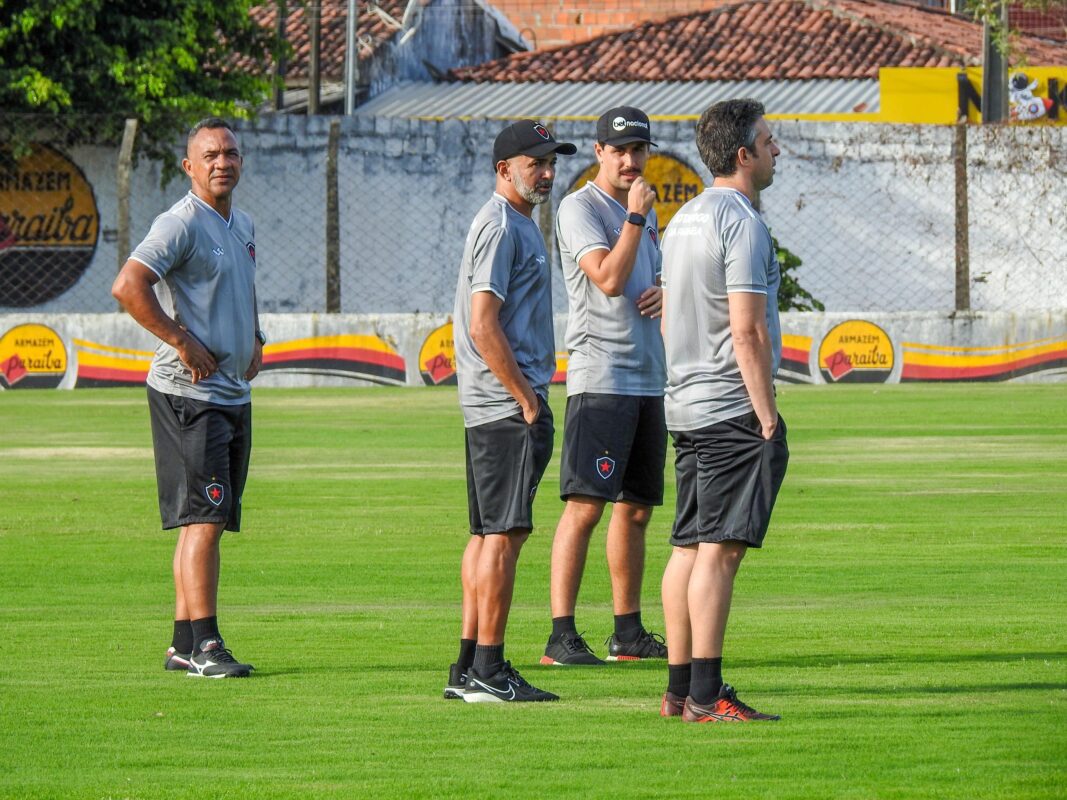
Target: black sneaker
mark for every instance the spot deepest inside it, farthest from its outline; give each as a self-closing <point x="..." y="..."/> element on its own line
<point x="457" y="682"/>
<point x="647" y="645"/>
<point x="506" y="686"/>
<point x="215" y="661"/>
<point x="176" y="660"/>
<point x="570" y="649"/>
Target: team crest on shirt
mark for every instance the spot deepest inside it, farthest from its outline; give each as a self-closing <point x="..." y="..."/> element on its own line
<point x="605" y="467"/>
<point x="653" y="234"/>
<point x="215" y="493"/>
<point x="542" y="131"/>
<point x="251" y="248"/>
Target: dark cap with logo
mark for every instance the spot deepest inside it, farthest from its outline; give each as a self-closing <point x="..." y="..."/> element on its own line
<point x="528" y="138"/>
<point x="624" y="125"/>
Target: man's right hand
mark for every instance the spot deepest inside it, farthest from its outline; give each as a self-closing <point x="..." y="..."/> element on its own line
<point x="641" y="197"/>
<point x="531" y="413"/>
<point x="767" y="431"/>
<point x="195" y="356"/>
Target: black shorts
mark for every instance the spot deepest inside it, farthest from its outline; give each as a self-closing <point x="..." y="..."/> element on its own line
<point x="614" y="447"/>
<point x="505" y="461"/>
<point x="728" y="477"/>
<point x="202" y="454"/>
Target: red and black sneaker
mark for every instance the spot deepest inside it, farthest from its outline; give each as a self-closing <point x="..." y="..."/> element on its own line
<point x="672" y="705"/>
<point x="726" y="708"/>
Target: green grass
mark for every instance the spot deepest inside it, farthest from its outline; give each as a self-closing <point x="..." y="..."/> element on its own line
<point x="907" y="616"/>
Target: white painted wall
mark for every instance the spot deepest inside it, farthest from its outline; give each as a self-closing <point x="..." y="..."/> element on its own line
<point x="869" y="208"/>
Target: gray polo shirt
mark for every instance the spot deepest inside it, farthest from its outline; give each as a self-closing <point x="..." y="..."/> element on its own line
<point x="613" y="349"/>
<point x="207" y="269"/>
<point x="504" y="254"/>
<point x="716" y="244"/>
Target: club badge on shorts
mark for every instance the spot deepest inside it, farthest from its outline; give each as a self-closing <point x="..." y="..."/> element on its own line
<point x="215" y="493"/>
<point x="605" y="467"/>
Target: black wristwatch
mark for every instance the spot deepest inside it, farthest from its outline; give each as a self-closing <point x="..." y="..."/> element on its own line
<point x="635" y="219"/>
<point x="261" y="337"/>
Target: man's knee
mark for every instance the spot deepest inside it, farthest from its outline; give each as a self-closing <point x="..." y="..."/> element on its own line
<point x="582" y="513"/>
<point x="635" y="515"/>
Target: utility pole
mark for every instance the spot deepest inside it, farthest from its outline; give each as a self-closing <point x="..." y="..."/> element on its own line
<point x="995" y="70"/>
<point x="351" y="58"/>
<point x="314" y="12"/>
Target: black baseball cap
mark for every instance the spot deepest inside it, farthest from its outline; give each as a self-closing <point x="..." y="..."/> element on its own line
<point x="623" y="125"/>
<point x="528" y="138"/>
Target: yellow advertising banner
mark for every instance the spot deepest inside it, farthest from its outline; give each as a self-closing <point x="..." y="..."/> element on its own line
<point x="942" y="95"/>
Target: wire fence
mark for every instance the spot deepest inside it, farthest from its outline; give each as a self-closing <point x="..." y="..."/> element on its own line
<point x="369" y="215"/>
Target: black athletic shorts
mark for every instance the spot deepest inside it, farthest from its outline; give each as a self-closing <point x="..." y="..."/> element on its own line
<point x="614" y="447"/>
<point x="202" y="454"/>
<point x="728" y="477"/>
<point x="505" y="461"/>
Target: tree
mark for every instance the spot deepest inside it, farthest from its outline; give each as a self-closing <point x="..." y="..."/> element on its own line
<point x="84" y="65"/>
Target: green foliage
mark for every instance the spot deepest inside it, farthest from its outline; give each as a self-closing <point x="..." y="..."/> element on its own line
<point x="988" y="12"/>
<point x="906" y="615"/>
<point x="791" y="295"/>
<point x="82" y="66"/>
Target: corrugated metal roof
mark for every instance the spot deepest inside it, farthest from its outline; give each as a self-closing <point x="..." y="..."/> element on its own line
<point x="571" y="99"/>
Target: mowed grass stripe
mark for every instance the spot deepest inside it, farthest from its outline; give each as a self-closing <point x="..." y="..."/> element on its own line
<point x="905" y="617"/>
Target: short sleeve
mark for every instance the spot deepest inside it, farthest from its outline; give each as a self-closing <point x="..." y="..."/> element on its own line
<point x="166" y="245"/>
<point x="746" y="256"/>
<point x="492" y="257"/>
<point x="579" y="229"/>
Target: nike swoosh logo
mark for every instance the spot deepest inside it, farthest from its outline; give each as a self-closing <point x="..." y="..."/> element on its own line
<point x="508" y="695"/>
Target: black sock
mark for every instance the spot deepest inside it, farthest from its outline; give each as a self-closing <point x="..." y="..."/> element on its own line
<point x="488" y="658"/>
<point x="707" y="679"/>
<point x="182" y="640"/>
<point x="562" y="625"/>
<point x="466" y="654"/>
<point x="678" y="678"/>
<point x="628" y="626"/>
<point x="204" y="629"/>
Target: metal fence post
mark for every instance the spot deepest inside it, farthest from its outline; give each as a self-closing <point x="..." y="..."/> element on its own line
<point x="122" y="179"/>
<point x="333" y="223"/>
<point x="963" y="250"/>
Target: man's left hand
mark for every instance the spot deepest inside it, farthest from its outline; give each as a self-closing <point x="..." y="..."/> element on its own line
<point x="257" y="362"/>
<point x="650" y="303"/>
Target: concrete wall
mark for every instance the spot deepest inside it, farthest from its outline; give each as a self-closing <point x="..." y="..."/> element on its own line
<point x="868" y="208"/>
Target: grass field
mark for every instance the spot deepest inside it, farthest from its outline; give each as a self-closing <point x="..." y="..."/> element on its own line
<point x="907" y="616"/>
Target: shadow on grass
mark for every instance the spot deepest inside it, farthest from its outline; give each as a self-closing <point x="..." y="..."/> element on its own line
<point x="910" y="689"/>
<point x="824" y="660"/>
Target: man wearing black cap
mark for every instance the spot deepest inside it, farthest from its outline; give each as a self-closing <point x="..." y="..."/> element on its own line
<point x="505" y="358"/>
<point x="615" y="438"/>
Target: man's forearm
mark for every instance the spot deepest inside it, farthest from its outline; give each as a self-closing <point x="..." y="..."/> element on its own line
<point x="753" y="352"/>
<point x="497" y="354"/>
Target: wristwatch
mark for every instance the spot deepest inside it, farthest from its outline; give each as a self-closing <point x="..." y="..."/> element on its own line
<point x="635" y="219"/>
<point x="261" y="336"/>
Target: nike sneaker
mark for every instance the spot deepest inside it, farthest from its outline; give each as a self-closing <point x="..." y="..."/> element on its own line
<point x="506" y="686"/>
<point x="215" y="661"/>
<point x="176" y="660"/>
<point x="647" y="645"/>
<point x="569" y="650"/>
<point x="457" y="682"/>
<point x="726" y="708"/>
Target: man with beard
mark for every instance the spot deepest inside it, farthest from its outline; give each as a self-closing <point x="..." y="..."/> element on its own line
<point x="505" y="358"/>
<point x="615" y="437"/>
